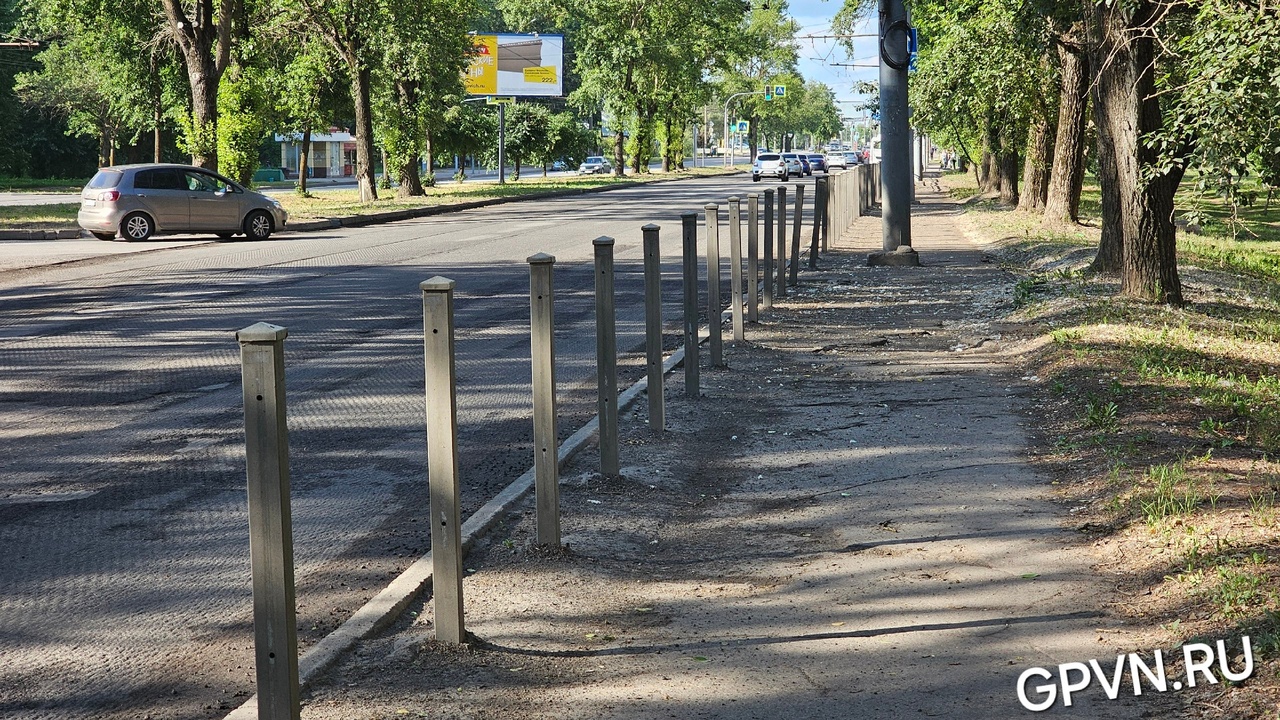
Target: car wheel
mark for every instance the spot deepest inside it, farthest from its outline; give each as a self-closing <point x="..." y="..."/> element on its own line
<point x="785" y="178"/>
<point x="104" y="236"/>
<point x="137" y="226"/>
<point x="755" y="178"/>
<point x="258" y="225"/>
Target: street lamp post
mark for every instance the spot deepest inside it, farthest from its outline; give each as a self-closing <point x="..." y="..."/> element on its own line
<point x="728" y="158"/>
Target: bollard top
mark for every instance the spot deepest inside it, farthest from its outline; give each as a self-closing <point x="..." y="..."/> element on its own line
<point x="689" y="216"/>
<point x="733" y="199"/>
<point x="541" y="259"/>
<point x="262" y="333"/>
<point x="437" y="284"/>
<point x="650" y="228"/>
<point x="753" y="196"/>
<point x="603" y="240"/>
<point x="768" y="192"/>
<point x="711" y="206"/>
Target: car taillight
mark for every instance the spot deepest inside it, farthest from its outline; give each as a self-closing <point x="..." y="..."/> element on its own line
<point x="109" y="196"/>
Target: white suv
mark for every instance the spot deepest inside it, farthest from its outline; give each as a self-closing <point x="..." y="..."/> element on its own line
<point x="770" y="164"/>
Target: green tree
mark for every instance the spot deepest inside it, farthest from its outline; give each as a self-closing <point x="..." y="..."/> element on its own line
<point x="528" y="134"/>
<point x="424" y="52"/>
<point x="466" y="130"/>
<point x="204" y="38"/>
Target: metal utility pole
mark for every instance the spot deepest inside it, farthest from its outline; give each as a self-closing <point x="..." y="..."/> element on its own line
<point x="502" y="144"/>
<point x="895" y="138"/>
<point x="728" y="158"/>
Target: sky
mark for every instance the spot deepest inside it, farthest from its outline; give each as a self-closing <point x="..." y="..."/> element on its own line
<point x="819" y="58"/>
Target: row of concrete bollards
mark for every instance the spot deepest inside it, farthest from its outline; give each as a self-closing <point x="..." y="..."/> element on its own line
<point x="839" y="198"/>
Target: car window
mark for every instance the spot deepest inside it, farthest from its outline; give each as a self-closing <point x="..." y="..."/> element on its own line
<point x="159" y="179"/>
<point x="595" y="159"/>
<point x="106" y="179"/>
<point x="769" y="156"/>
<point x="204" y="182"/>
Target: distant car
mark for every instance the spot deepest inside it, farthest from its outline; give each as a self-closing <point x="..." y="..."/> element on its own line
<point x="836" y="160"/>
<point x="559" y="165"/>
<point x="794" y="165"/>
<point x="138" y="201"/>
<point x="770" y="164"/>
<point x="595" y="165"/>
<point x="854" y="158"/>
<point x="817" y="161"/>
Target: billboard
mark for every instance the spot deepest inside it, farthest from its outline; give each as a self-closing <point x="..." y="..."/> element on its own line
<point x="517" y="65"/>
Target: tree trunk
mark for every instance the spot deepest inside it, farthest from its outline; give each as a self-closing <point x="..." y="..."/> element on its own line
<point x="304" y="158"/>
<point x="989" y="172"/>
<point x="1110" y="257"/>
<point x="430" y="157"/>
<point x="1129" y="108"/>
<point x="668" y="150"/>
<point x="204" y="115"/>
<point x="1035" y="178"/>
<point x="1008" y="172"/>
<point x="410" y="179"/>
<point x="1062" y="205"/>
<point x="205" y="45"/>
<point x="156" y="138"/>
<point x="360" y="81"/>
<point x="619" y="153"/>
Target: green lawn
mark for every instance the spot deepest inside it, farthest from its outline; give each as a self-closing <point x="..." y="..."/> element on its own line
<point x="22" y="184"/>
<point x="38" y="217"/>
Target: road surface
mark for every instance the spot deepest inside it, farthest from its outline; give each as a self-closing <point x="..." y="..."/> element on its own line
<point x="125" y="587"/>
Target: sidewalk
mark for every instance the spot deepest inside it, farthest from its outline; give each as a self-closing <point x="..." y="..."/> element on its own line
<point x="842" y="527"/>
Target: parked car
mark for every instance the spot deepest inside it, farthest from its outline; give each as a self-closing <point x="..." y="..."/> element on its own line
<point x="559" y="165"/>
<point x="854" y="158"/>
<point x="771" y="164"/>
<point x="817" y="161"/>
<point x="595" y="165"/>
<point x="138" y="201"/>
<point x="836" y="160"/>
<point x="794" y="166"/>
<point x="805" y="167"/>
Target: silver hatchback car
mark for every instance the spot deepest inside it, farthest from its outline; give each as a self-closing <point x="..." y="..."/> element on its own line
<point x="138" y="201"/>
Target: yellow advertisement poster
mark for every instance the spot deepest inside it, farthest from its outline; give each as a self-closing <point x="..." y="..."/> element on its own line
<point x="517" y="65"/>
<point x="543" y="75"/>
<point x="482" y="75"/>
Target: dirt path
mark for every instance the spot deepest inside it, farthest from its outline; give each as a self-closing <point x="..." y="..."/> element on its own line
<point x="843" y="526"/>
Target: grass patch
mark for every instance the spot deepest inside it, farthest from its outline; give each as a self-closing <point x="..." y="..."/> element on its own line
<point x="38" y="217"/>
<point x="23" y="184"/>
<point x="1160" y="425"/>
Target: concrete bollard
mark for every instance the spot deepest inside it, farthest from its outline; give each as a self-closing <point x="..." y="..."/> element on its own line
<point x="266" y="434"/>
<point x="606" y="358"/>
<point x="797" y="219"/>
<point x="689" y="228"/>
<point x="546" y="467"/>
<point x="767" y="288"/>
<point x="753" y="257"/>
<point x="442" y="459"/>
<point x="716" y="328"/>
<point x="653" y="327"/>
<point x="819" y="240"/>
<point x="735" y="268"/>
<point x="780" y="290"/>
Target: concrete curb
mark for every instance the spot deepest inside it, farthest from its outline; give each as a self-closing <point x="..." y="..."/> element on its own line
<point x="57" y="234"/>
<point x="389" y="216"/>
<point x="385" y="607"/>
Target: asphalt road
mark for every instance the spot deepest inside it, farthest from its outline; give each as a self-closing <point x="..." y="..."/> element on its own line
<point x="125" y="586"/>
